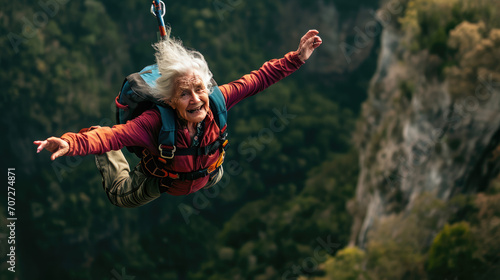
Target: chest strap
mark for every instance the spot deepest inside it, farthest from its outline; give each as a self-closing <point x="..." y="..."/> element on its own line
<point x="168" y="152"/>
<point x="156" y="166"/>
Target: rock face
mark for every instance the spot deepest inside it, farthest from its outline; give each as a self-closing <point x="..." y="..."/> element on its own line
<point x="426" y="128"/>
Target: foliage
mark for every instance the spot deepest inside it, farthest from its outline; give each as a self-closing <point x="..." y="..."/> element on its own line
<point x="399" y="248"/>
<point x="281" y="234"/>
<point x="396" y="248"/>
<point x="427" y="23"/>
<point x="452" y="253"/>
<point x="477" y="60"/>
<point x="346" y="265"/>
<point x="469" y="248"/>
<point x="486" y="232"/>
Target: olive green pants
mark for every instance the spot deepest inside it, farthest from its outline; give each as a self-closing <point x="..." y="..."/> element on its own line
<point x="133" y="189"/>
<point x="125" y="188"/>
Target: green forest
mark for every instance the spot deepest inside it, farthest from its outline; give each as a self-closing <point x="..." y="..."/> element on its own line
<point x="284" y="209"/>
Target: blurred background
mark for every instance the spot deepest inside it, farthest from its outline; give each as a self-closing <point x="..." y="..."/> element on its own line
<point x="384" y="165"/>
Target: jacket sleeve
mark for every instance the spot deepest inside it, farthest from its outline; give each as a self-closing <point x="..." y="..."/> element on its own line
<point x="141" y="131"/>
<point x="271" y="72"/>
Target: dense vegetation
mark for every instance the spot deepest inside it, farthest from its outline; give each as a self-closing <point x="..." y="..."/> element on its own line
<point x="63" y="63"/>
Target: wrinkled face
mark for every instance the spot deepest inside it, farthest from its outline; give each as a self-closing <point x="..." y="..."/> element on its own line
<point x="190" y="98"/>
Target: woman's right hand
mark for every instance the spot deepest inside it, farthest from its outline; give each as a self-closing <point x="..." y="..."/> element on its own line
<point x="309" y="42"/>
<point x="55" y="145"/>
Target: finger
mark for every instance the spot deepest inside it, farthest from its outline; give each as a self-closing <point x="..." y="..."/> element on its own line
<point x="55" y="155"/>
<point x="58" y="153"/>
<point x="311" y="38"/>
<point x="312" y="33"/>
<point x="312" y="43"/>
<point x="41" y="145"/>
<point x="317" y="41"/>
<point x="309" y="34"/>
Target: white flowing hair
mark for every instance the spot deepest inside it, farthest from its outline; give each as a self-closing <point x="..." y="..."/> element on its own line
<point x="174" y="60"/>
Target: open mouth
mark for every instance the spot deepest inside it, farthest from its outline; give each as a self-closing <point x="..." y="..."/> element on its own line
<point x="199" y="108"/>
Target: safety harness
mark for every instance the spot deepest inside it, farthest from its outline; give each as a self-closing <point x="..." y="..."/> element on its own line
<point x="157" y="166"/>
<point x="135" y="97"/>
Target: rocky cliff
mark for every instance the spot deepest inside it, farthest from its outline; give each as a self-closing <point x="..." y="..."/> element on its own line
<point x="431" y="123"/>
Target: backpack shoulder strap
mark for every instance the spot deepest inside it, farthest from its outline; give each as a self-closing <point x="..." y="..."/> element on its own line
<point x="218" y="107"/>
<point x="168" y="128"/>
<point x="135" y="97"/>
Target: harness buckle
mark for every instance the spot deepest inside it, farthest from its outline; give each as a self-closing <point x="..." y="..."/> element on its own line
<point x="218" y="163"/>
<point x="167" y="157"/>
<point x="223" y="136"/>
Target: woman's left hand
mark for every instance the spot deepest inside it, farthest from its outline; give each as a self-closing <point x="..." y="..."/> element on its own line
<point x="309" y="42"/>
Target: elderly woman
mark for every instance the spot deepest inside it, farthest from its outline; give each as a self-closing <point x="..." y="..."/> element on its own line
<point x="185" y="85"/>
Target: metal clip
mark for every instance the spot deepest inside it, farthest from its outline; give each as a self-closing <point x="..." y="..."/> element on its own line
<point x="167" y="157"/>
<point x="162" y="8"/>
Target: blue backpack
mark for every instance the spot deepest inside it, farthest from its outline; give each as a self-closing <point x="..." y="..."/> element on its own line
<point x="135" y="98"/>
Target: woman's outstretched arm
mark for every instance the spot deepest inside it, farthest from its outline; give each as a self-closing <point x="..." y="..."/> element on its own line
<point x="141" y="131"/>
<point x="271" y="71"/>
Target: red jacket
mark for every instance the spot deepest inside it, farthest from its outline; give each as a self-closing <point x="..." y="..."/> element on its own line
<point x="143" y="130"/>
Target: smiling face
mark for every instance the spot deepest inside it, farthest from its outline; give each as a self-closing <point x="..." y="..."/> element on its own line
<point x="190" y="98"/>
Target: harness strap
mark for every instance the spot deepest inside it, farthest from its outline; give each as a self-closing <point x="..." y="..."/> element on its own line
<point x="169" y="152"/>
<point x="156" y="167"/>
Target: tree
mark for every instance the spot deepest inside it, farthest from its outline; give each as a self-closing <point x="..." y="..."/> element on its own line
<point x="346" y="265"/>
<point x="452" y="253"/>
